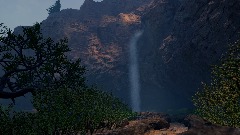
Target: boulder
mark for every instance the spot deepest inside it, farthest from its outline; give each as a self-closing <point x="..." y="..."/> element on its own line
<point x="200" y="126"/>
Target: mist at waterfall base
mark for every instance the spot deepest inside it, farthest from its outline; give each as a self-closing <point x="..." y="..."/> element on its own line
<point x="134" y="73"/>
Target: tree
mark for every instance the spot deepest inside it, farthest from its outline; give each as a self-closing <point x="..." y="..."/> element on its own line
<point x="219" y="102"/>
<point x="31" y="62"/>
<point x="54" y="8"/>
<point x="63" y="102"/>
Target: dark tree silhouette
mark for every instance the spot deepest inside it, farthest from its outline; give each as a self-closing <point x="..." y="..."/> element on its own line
<point x="54" y="8"/>
<point x="30" y="62"/>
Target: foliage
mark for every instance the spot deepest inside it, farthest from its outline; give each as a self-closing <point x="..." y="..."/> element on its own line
<point x="219" y="102"/>
<point x="54" y="8"/>
<point x="67" y="111"/>
<point x="79" y="109"/>
<point x="31" y="62"/>
<point x="5" y="119"/>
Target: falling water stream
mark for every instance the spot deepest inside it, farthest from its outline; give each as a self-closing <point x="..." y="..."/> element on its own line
<point x="134" y="73"/>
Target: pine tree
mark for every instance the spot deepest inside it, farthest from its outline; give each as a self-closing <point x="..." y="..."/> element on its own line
<point x="54" y="8"/>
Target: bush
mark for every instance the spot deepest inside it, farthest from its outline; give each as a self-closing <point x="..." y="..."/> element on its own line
<point x="219" y="102"/>
<point x="16" y="123"/>
<point x="5" y="119"/>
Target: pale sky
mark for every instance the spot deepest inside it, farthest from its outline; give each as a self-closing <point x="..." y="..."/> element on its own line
<point x="15" y="13"/>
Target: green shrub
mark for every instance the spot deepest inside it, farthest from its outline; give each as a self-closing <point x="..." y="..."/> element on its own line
<point x="219" y="102"/>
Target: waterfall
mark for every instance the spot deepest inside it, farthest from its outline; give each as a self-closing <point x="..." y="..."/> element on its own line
<point x="133" y="72"/>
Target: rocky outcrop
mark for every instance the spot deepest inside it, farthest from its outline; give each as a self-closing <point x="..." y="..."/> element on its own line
<point x="150" y="123"/>
<point x="142" y="125"/>
<point x="139" y="127"/>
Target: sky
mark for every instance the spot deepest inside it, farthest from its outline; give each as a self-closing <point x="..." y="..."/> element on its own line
<point x="15" y="13"/>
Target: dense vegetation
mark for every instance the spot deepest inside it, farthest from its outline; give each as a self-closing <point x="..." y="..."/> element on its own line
<point x="65" y="110"/>
<point x="63" y="101"/>
<point x="219" y="102"/>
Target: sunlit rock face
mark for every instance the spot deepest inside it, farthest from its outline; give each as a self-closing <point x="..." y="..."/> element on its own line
<point x="181" y="40"/>
<point x="99" y="33"/>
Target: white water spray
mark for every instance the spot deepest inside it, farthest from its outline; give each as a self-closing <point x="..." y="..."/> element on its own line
<point x="134" y="74"/>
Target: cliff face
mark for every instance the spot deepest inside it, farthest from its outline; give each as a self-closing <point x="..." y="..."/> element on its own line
<point x="181" y="39"/>
<point x="184" y="39"/>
